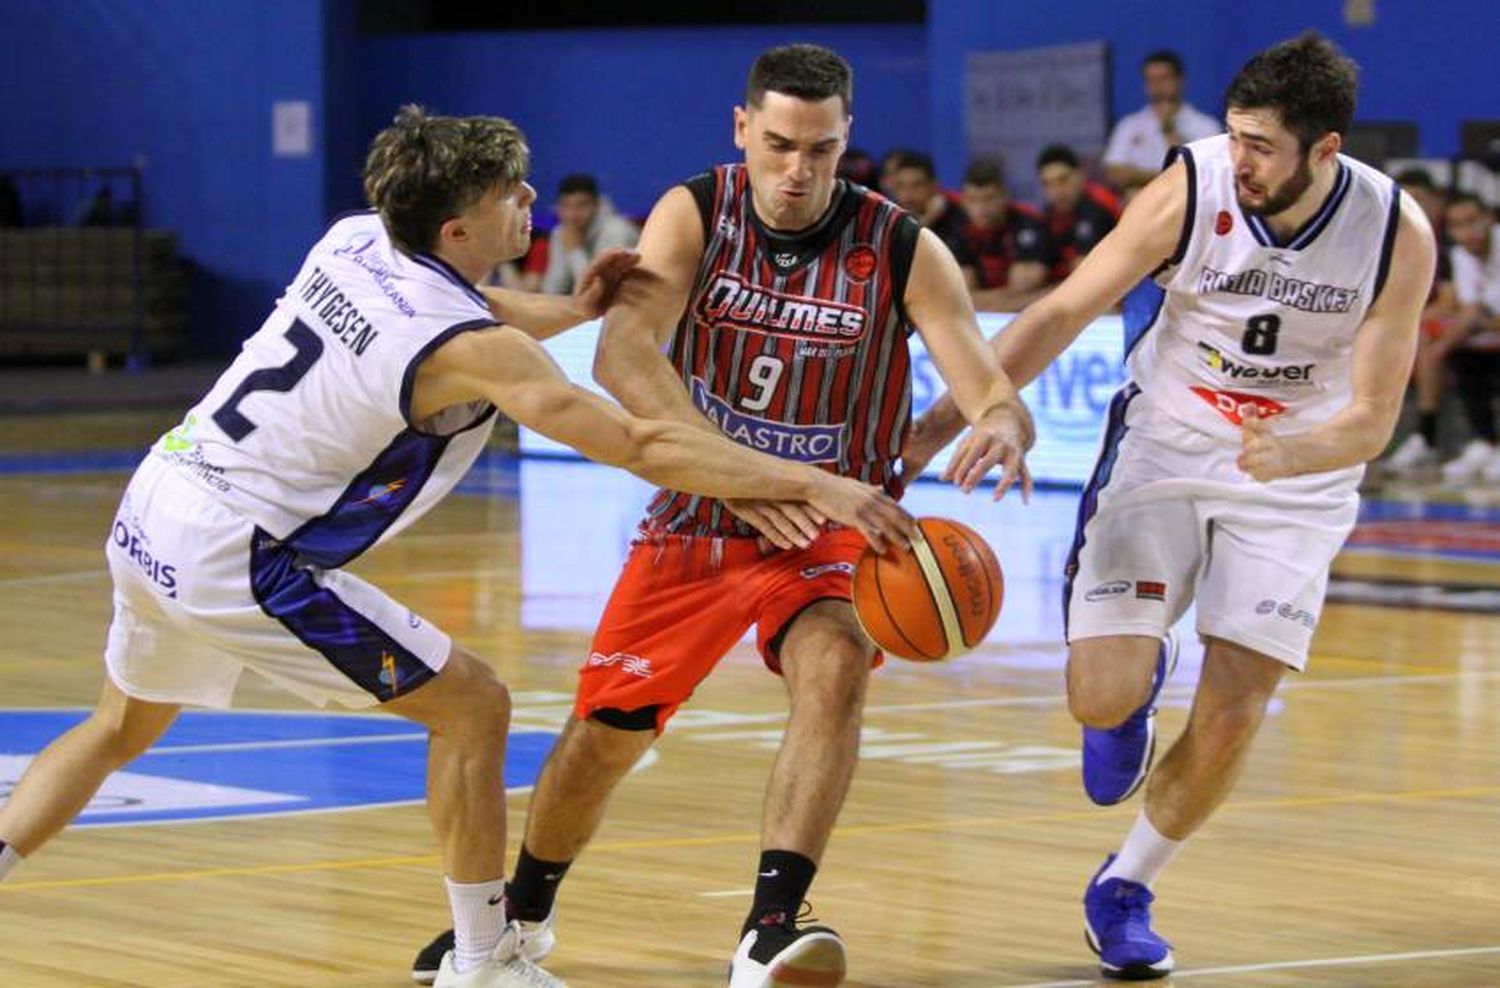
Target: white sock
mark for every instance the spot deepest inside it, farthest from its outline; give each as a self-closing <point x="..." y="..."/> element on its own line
<point x="478" y="921"/>
<point x="1143" y="855"/>
<point x="9" y="860"/>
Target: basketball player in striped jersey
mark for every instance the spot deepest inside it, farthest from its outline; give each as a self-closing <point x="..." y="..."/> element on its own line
<point x="1268" y="347"/>
<point x="361" y="401"/>
<point x="787" y="296"/>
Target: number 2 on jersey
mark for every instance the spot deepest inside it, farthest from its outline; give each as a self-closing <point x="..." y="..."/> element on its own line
<point x="764" y="372"/>
<point x="309" y="348"/>
<point x="1260" y="335"/>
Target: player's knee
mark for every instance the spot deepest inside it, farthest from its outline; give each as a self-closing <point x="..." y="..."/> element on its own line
<point x="1099" y="709"/>
<point x="835" y="689"/>
<point x="482" y="702"/>
<point x="123" y="735"/>
<point x="1227" y="727"/>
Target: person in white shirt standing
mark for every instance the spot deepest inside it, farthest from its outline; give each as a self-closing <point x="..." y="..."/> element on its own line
<point x="359" y="403"/>
<point x="1473" y="338"/>
<point x="1278" y="286"/>
<point x="1140" y="141"/>
<point x="587" y="226"/>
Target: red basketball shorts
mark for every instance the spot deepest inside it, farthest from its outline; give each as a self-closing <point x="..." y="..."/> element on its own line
<point x="681" y="603"/>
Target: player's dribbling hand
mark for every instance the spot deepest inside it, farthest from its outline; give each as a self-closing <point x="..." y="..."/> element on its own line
<point x="596" y="289"/>
<point x="1263" y="455"/>
<point x="867" y="509"/>
<point x="1001" y="437"/>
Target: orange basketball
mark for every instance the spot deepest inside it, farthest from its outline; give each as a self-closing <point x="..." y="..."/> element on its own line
<point x="935" y="601"/>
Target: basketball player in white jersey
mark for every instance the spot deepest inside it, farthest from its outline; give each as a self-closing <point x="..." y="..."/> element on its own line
<point x="1268" y="349"/>
<point x="360" y="402"/>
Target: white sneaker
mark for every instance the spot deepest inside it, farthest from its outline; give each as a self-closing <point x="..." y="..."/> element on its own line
<point x="1490" y="474"/>
<point x="784" y="956"/>
<point x="537" y="941"/>
<point x="1468" y="464"/>
<point x="506" y="968"/>
<point x="1412" y="456"/>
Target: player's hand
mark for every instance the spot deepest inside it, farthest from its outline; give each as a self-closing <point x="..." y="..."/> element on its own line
<point x="596" y="289"/>
<point x="786" y="524"/>
<point x="1263" y="455"/>
<point x="868" y="509"/>
<point x="1002" y="438"/>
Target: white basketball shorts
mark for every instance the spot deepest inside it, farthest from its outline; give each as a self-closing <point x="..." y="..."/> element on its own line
<point x="201" y="594"/>
<point x="1168" y="518"/>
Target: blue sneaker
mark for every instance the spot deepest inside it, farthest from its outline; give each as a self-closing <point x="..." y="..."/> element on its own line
<point x="1117" y="925"/>
<point x="1116" y="761"/>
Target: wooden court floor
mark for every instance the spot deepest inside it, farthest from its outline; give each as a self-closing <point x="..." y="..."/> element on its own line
<point x="1360" y="849"/>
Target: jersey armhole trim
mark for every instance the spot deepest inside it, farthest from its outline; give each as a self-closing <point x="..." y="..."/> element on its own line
<point x="1185" y="239"/>
<point x="409" y="377"/>
<point x="1388" y="242"/>
<point x="702" y="187"/>
<point x="903" y="253"/>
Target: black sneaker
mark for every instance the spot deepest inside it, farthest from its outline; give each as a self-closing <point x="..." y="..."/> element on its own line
<point x="778" y="952"/>
<point x="424" y="970"/>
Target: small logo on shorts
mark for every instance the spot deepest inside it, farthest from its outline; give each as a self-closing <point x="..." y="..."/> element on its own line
<point x="389" y="674"/>
<point x="813" y="572"/>
<point x="1150" y="590"/>
<point x="633" y="665"/>
<point x="1296" y="615"/>
<point x="412" y="621"/>
<point x="1106" y="590"/>
<point x="381" y="493"/>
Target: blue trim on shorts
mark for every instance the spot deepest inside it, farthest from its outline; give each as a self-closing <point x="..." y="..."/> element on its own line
<point x="286" y="590"/>
<point x="1104" y="468"/>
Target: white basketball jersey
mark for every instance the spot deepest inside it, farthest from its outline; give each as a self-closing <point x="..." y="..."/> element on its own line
<point x="308" y="433"/>
<point x="1236" y="318"/>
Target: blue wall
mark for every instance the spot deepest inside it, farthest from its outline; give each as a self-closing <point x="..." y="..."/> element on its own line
<point x="1430" y="62"/>
<point x="641" y="109"/>
<point x="186" y="90"/>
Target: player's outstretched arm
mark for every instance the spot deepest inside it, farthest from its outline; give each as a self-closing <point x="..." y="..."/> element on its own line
<point x="1147" y="235"/>
<point x="1384" y="349"/>
<point x="542" y="316"/>
<point x="629" y="362"/>
<point x="508" y="368"/>
<point x="1002" y="431"/>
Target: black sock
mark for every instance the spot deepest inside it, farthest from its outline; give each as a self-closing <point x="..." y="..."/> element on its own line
<point x="780" y="887"/>
<point x="533" y="889"/>
<point x="1427" y="426"/>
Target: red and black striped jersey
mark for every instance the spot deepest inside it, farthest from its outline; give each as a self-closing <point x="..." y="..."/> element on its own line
<point x="795" y="345"/>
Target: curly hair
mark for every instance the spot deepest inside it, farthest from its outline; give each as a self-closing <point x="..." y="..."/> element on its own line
<point x="1307" y="80"/>
<point x="424" y="170"/>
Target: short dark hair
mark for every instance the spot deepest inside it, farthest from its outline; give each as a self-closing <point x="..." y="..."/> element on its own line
<point x="913" y="159"/>
<point x="1460" y="198"/>
<point x="1166" y="57"/>
<point x="809" y="72"/>
<point x="984" y="172"/>
<point x="1417" y="178"/>
<point x="578" y="182"/>
<point x="1056" y="154"/>
<point x="424" y="170"/>
<point x="1307" y="80"/>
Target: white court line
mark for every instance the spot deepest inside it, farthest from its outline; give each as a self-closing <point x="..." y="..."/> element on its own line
<point x="1203" y="972"/>
<point x="199" y="749"/>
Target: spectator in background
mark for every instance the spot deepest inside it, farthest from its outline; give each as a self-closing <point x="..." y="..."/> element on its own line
<point x="1079" y="212"/>
<point x="1472" y="342"/>
<point x="587" y="225"/>
<point x="1140" y="141"/>
<point x="1419" y="451"/>
<point x="889" y="163"/>
<point x="858" y="167"/>
<point x="1004" y="249"/>
<point x="914" y="187"/>
<point x="525" y="274"/>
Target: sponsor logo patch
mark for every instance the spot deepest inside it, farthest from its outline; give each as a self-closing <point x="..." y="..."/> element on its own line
<point x="803" y="443"/>
<point x="1150" y="590"/>
<point x="1296" y="615"/>
<point x="813" y="572"/>
<point x="1252" y="375"/>
<point x="1104" y="591"/>
<point x="730" y="301"/>
<point x="1223" y="223"/>
<point x="632" y="665"/>
<point x="1232" y="404"/>
<point x="859" y="263"/>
